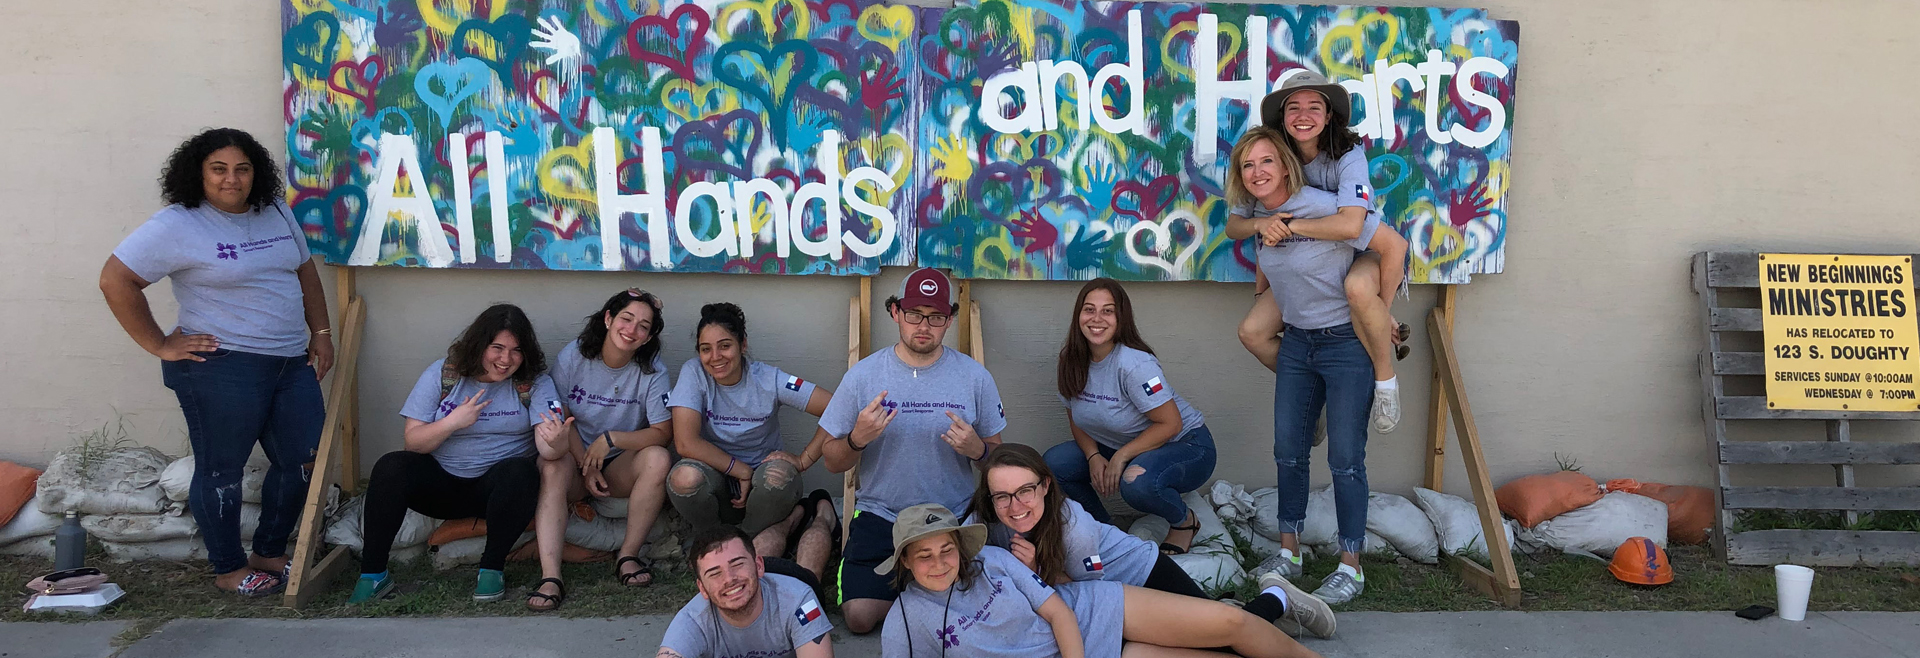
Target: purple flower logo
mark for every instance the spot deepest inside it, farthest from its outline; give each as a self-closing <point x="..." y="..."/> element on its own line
<point x="889" y="405"/>
<point x="949" y="637"/>
<point x="577" y="395"/>
<point x="446" y="406"/>
<point x="227" y="251"/>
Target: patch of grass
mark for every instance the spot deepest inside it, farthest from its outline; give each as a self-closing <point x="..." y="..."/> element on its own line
<point x="1769" y="519"/>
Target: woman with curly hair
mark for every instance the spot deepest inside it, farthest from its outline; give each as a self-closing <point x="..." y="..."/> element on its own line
<point x="248" y="348"/>
<point x="472" y="419"/>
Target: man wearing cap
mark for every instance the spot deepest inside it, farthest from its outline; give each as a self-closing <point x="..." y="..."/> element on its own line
<point x="748" y="606"/>
<point x="914" y="417"/>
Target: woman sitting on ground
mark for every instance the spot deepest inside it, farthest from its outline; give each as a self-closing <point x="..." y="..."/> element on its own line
<point x="616" y="437"/>
<point x="469" y="449"/>
<point x="957" y="592"/>
<point x="726" y="427"/>
<point x="1055" y="537"/>
<point x="1131" y="432"/>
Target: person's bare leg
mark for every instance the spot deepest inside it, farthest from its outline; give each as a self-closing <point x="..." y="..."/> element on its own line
<point x="816" y="541"/>
<point x="640" y="476"/>
<point x="772" y="542"/>
<point x="865" y="615"/>
<point x="1171" y="620"/>
<point x="560" y="483"/>
<point x="1260" y="330"/>
<point x="1144" y="650"/>
<point x="1372" y="318"/>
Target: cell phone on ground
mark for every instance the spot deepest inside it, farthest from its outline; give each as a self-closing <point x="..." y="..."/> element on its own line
<point x="1754" y="612"/>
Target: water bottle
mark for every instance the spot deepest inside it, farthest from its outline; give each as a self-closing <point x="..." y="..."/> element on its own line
<point x="70" y="544"/>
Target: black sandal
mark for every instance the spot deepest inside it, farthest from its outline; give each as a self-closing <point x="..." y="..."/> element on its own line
<point x="646" y="569"/>
<point x="1170" y="549"/>
<point x="554" y="600"/>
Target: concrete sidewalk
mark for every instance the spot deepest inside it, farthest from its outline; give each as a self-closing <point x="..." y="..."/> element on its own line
<point x="1374" y="635"/>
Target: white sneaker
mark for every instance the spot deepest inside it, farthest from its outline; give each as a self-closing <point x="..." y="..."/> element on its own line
<point x="1386" y="409"/>
<point x="1306" y="610"/>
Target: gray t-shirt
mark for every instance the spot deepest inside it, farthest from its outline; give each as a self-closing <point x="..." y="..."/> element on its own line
<point x="994" y="616"/>
<point x="790" y="616"/>
<point x="910" y="464"/>
<point x="603" y="399"/>
<point x="1094" y="550"/>
<point x="1308" y="275"/>
<point x="503" y="431"/>
<point x="742" y="419"/>
<point x="1100" y="608"/>
<point x="1120" y="390"/>
<point x="235" y="276"/>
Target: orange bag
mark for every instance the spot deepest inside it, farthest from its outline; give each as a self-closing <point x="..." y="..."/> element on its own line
<point x="457" y="529"/>
<point x="17" y="484"/>
<point x="1689" y="509"/>
<point x="1536" y="498"/>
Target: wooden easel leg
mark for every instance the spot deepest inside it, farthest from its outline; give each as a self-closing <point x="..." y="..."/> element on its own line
<point x="1502" y="582"/>
<point x="1436" y="470"/>
<point x="308" y="578"/>
<point x="859" y="343"/>
<point x="347" y="289"/>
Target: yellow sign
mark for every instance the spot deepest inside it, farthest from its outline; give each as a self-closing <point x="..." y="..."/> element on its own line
<point x="1841" y="333"/>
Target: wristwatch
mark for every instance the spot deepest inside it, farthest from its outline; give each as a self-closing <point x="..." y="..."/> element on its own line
<point x="609" y="438"/>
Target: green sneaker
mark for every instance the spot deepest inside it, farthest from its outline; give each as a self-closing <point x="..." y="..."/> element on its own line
<point x="371" y="587"/>
<point x="490" y="586"/>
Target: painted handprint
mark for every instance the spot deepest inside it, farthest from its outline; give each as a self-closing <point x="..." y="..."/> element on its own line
<point x="1464" y="207"/>
<point x="554" y="37"/>
<point x="1085" y="249"/>
<point x="1036" y="230"/>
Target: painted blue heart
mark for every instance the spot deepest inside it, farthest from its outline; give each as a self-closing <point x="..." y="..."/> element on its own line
<point x="337" y="233"/>
<point x="1380" y="163"/>
<point x="304" y="45"/>
<point x="510" y="34"/>
<point x="366" y="132"/>
<point x="457" y="82"/>
<point x="776" y="106"/>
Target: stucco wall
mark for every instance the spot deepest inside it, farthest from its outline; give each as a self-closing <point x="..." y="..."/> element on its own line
<point x="1645" y="131"/>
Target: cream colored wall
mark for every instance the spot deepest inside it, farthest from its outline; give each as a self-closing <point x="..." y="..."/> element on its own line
<point x="1645" y="131"/>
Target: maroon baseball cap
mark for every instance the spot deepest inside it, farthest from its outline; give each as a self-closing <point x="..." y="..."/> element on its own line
<point x="927" y="287"/>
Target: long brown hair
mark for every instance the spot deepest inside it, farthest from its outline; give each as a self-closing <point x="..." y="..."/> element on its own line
<point x="1048" y="536"/>
<point x="1335" y="140"/>
<point x="1077" y="354"/>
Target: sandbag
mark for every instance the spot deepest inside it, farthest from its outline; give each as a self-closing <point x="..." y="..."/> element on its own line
<point x="1231" y="502"/>
<point x="1689" y="509"/>
<point x="467" y="551"/>
<point x="138" y="528"/>
<point x="1213" y="572"/>
<point x="1323" y="522"/>
<point x="569" y="554"/>
<point x="177" y="480"/>
<point x="40" y="547"/>
<point x="345" y="528"/>
<point x="600" y="534"/>
<point x="30" y="522"/>
<point x="176" y="550"/>
<point x="1403" y="525"/>
<point x="609" y="507"/>
<point x="1536" y="498"/>
<point x="1375" y="546"/>
<point x="17" y="486"/>
<point x="1151" y="528"/>
<point x="1456" y="523"/>
<point x="1266" y="513"/>
<point x="118" y="481"/>
<point x="1263" y="547"/>
<point x="1212" y="536"/>
<point x="1601" y="527"/>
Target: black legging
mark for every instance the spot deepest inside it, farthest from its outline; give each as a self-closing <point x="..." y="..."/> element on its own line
<point x="1167" y="576"/>
<point x="505" y="496"/>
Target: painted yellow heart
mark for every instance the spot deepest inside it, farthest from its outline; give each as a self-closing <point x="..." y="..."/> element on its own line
<point x="564" y="174"/>
<point x="797" y="24"/>
<point x="1172" y="62"/>
<point x="888" y="24"/>
<point x="693" y="102"/>
<point x="1359" y="58"/>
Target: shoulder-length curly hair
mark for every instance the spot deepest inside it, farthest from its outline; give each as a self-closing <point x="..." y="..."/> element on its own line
<point x="181" y="181"/>
<point x="593" y="335"/>
<point x="468" y="354"/>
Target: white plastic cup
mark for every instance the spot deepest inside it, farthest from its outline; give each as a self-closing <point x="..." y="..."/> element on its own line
<point x="1792" y="585"/>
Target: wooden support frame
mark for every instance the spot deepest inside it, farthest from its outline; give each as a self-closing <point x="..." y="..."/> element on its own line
<point x="1502" y="582"/>
<point x="338" y="439"/>
<point x="859" y="343"/>
<point x="1436" y="467"/>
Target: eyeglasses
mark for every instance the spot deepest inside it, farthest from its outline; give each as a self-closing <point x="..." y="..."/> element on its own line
<point x="1026" y="495"/>
<point x="935" y="319"/>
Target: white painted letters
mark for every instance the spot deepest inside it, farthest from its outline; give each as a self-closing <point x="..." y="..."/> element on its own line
<point x="395" y="152"/>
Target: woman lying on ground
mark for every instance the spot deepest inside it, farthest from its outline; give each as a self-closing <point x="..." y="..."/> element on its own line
<point x="1055" y="537"/>
<point x="614" y="390"/>
<point x="469" y="449"/>
<point x="958" y="593"/>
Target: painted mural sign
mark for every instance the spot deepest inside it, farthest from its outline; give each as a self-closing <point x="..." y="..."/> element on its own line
<point x="1016" y="139"/>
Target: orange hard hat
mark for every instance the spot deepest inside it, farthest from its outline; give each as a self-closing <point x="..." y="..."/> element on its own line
<point x="1639" y="561"/>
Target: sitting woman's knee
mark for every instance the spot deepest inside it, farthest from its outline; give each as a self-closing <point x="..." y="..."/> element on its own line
<point x="393" y="465"/>
<point x="1362" y="285"/>
<point x="776" y="474"/>
<point x="555" y="469"/>
<point x="685" y="480"/>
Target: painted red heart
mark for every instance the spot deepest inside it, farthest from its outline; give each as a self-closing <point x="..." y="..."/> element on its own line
<point x="1149" y="199"/>
<point x="366" y="76"/>
<point x="670" y="25"/>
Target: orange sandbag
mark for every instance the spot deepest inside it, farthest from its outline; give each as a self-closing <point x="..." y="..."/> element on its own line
<point x="569" y="553"/>
<point x="17" y="484"/>
<point x="453" y="530"/>
<point x="1536" y="498"/>
<point x="1689" y="510"/>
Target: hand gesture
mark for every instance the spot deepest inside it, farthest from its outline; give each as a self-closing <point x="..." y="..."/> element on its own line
<point x="1097" y="469"/>
<point x="463" y="416"/>
<point x="556" y="39"/>
<point x="1109" y="479"/>
<point x="1274" y="229"/>
<point x="961" y="436"/>
<point x="1023" y="549"/>
<point x="873" y="420"/>
<point x="596" y="482"/>
<point x="552" y="431"/>
<point x="597" y="454"/>
<point x="787" y="457"/>
<point x="320" y="355"/>
<point x="181" y="346"/>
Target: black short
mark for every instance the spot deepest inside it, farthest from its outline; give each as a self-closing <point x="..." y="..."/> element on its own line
<point x="791" y="569"/>
<point x="869" y="542"/>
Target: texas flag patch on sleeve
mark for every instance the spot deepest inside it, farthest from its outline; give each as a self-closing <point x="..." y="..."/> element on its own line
<point x="793" y="383"/>
<point x="1092" y="563"/>
<point x="1360" y="192"/>
<point x="1152" y="386"/>
<point x="808" y="612"/>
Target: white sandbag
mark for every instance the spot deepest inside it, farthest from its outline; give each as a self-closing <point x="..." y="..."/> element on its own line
<point x="176" y="550"/>
<point x="1213" y="572"/>
<point x="1375" y="546"/>
<point x="345" y="529"/>
<point x="1212" y="536"/>
<point x="600" y="534"/>
<point x="138" y="528"/>
<point x="1456" y="523"/>
<point x="1231" y="502"/>
<point x="467" y="551"/>
<point x="28" y="523"/>
<point x="119" y="481"/>
<point x="1602" y="527"/>
<point x="1263" y="547"/>
<point x="407" y="555"/>
<point x="1322" y="525"/>
<point x="40" y="547"/>
<point x="1151" y="528"/>
<point x="608" y="507"/>
<point x="1266" y="513"/>
<point x="177" y="480"/>
<point x="1397" y="520"/>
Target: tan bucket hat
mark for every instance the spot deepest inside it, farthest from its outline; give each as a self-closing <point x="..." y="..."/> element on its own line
<point x="923" y="521"/>
<point x="1336" y="95"/>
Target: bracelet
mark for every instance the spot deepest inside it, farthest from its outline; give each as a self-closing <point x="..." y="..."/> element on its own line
<point x="324" y="331"/>
<point x="984" y="451"/>
<point x="729" y="471"/>
<point x="1095" y="454"/>
<point x="850" y="444"/>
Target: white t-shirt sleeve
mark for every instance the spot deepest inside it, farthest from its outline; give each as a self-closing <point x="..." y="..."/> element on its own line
<point x="1355" y="187"/>
<point x="149" y="251"/>
<point x="1144" y="384"/>
<point x="691" y="391"/>
<point x="992" y="415"/>
<point x="791" y="390"/>
<point x="1024" y="579"/>
<point x="299" y="234"/>
<point x="844" y="408"/>
<point x="806" y="620"/>
<point x="423" y="402"/>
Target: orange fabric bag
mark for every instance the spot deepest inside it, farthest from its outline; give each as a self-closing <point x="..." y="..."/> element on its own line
<point x="17" y="484"/>
<point x="1536" y="498"/>
<point x="457" y="529"/>
<point x="1689" y="509"/>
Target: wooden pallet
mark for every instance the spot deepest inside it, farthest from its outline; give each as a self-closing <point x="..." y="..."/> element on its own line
<point x="1716" y="276"/>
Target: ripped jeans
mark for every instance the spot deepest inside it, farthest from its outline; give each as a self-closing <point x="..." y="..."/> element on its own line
<point x="775" y="490"/>
<point x="1167" y="472"/>
<point x="231" y="401"/>
<point x="1323" y="368"/>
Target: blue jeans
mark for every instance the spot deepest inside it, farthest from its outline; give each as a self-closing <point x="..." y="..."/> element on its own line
<point x="1323" y="368"/>
<point x="232" y="401"/>
<point x="1171" y="469"/>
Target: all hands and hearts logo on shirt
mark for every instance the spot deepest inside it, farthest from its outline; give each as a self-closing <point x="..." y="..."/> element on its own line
<point x="447" y="406"/>
<point x="950" y="636"/>
<point x="226" y="251"/>
<point x="577" y="395"/>
<point x="452" y="402"/>
<point x="917" y="407"/>
<point x="581" y="396"/>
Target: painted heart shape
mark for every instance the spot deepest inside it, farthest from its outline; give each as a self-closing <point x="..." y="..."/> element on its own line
<point x="1163" y="242"/>
<point x="724" y="143"/>
<point x="887" y="24"/>
<point x="672" y="26"/>
<point x="510" y="34"/>
<point x="305" y="46"/>
<point x="366" y="132"/>
<point x="1300" y="22"/>
<point x="689" y="101"/>
<point x="786" y="66"/>
<point x="360" y="80"/>
<point x="455" y="83"/>
<point x="333" y="218"/>
<point x="1148" y="200"/>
